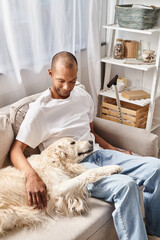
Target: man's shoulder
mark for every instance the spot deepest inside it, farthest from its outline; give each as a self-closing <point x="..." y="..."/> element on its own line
<point x="78" y="91"/>
<point x="42" y="99"/>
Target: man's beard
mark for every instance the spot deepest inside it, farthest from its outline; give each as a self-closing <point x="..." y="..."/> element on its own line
<point x="62" y="93"/>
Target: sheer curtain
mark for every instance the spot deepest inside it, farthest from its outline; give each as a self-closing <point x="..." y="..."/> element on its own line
<point x="32" y="31"/>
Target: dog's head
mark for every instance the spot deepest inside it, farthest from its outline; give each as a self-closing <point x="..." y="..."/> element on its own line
<point x="70" y="150"/>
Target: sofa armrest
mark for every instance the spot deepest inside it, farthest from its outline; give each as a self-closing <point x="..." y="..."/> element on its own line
<point x="125" y="137"/>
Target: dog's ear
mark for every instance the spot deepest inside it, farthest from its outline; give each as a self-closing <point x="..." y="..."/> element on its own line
<point x="50" y="151"/>
<point x="57" y="151"/>
<point x="62" y="152"/>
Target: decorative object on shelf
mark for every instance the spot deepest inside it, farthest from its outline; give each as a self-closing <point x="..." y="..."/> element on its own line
<point x="120" y="86"/>
<point x="130" y="48"/>
<point x="119" y="49"/>
<point x="123" y="80"/>
<point x="148" y="56"/>
<point x="133" y="115"/>
<point x="135" y="95"/>
<point x="131" y="16"/>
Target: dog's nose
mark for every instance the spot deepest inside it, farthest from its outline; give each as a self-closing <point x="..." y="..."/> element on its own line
<point x="91" y="142"/>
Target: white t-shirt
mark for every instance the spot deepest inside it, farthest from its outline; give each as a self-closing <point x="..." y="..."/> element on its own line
<point x="49" y="119"/>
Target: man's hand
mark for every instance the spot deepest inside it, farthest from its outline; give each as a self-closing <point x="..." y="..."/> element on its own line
<point x="36" y="191"/>
<point x="127" y="152"/>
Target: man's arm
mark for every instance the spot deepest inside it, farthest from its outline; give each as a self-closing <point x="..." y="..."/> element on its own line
<point x="35" y="187"/>
<point x="104" y="144"/>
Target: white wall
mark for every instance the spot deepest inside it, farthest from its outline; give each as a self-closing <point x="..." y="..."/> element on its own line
<point x="33" y="82"/>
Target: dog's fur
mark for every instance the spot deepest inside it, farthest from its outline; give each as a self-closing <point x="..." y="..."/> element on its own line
<point x="66" y="180"/>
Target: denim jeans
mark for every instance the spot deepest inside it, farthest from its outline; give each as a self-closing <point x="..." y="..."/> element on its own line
<point x="123" y="190"/>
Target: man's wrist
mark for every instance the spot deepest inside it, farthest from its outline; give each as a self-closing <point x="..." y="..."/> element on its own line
<point x="31" y="174"/>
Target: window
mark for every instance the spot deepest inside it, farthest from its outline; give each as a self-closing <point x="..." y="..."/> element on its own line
<point x="32" y="31"/>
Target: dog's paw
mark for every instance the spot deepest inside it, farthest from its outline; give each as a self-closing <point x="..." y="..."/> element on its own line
<point x="115" y="169"/>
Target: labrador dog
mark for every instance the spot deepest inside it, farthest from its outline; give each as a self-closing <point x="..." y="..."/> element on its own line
<point x="66" y="179"/>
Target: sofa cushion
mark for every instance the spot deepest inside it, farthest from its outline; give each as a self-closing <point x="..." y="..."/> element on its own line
<point x="73" y="228"/>
<point x="6" y="138"/>
<point x="17" y="113"/>
<point x="136" y="140"/>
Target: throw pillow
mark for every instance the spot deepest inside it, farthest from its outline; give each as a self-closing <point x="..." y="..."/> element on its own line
<point x="17" y="113"/>
<point x="6" y="138"/>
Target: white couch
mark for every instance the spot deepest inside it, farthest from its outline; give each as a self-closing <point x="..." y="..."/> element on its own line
<point x="98" y="224"/>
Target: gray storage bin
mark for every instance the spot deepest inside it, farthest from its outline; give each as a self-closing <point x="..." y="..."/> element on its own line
<point x="136" y="18"/>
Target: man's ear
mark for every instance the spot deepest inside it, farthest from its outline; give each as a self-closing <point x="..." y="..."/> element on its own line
<point x="50" y="72"/>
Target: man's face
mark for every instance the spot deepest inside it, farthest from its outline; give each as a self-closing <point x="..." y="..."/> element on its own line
<point x="63" y="80"/>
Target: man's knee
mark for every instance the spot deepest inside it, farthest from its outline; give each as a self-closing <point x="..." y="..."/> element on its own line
<point x="114" y="187"/>
<point x="129" y="191"/>
<point x="152" y="162"/>
<point x="130" y="185"/>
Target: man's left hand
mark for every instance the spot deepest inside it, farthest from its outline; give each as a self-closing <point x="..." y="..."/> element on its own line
<point x="127" y="152"/>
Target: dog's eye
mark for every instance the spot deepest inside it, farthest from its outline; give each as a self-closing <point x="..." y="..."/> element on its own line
<point x="72" y="143"/>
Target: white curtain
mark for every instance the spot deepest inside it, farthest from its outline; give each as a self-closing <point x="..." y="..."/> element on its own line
<point x="93" y="50"/>
<point x="32" y="31"/>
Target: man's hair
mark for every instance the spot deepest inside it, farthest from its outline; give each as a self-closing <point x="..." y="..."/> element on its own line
<point x="66" y="58"/>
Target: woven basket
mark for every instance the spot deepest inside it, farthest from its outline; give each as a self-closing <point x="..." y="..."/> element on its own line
<point x="136" y="18"/>
<point x="130" y="48"/>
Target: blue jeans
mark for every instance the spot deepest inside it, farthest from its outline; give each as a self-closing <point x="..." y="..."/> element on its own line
<point x="123" y="190"/>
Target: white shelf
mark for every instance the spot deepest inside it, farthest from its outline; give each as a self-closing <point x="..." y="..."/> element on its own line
<point x="122" y="63"/>
<point x="155" y="125"/>
<point x="110" y="93"/>
<point x="146" y="31"/>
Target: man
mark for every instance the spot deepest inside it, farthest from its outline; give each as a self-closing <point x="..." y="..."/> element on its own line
<point x="65" y="110"/>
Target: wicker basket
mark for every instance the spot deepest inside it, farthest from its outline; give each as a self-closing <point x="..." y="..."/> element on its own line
<point x="130" y="48"/>
<point x="137" y="18"/>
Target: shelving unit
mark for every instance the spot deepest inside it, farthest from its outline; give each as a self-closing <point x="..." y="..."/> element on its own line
<point x="123" y="64"/>
<point x="109" y="61"/>
<point x="146" y="31"/>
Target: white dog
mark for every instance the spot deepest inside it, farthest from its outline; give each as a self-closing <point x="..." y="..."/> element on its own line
<point x="66" y="180"/>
